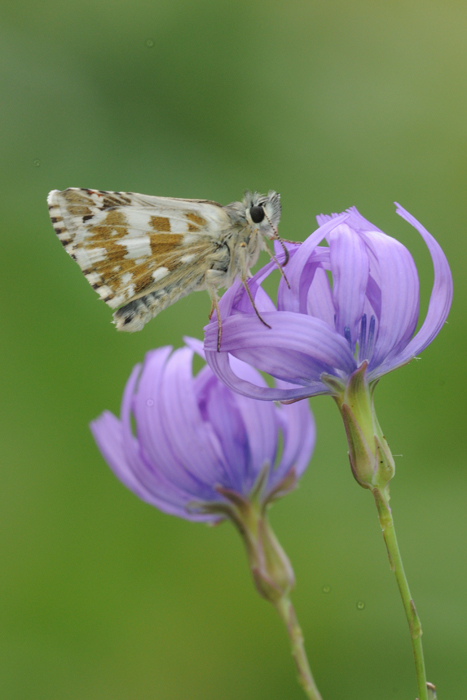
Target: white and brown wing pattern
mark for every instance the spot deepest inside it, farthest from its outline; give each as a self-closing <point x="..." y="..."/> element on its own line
<point x="139" y="252"/>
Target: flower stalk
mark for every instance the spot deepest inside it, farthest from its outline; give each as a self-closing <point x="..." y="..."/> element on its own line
<point x="270" y="566"/>
<point x="373" y="467"/>
<point x="287" y="613"/>
<point x="395" y="562"/>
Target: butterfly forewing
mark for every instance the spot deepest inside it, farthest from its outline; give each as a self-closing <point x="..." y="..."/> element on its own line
<point x="129" y="244"/>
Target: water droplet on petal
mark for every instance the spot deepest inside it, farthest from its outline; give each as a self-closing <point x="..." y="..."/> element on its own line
<point x="150" y="43"/>
<point x="360" y="605"/>
<point x="150" y="402"/>
<point x="326" y="588"/>
<point x="36" y="162"/>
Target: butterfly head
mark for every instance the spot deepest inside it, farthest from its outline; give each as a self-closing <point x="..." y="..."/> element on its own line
<point x="264" y="211"/>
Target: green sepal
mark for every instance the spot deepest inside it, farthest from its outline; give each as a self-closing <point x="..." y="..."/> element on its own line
<point x="362" y="461"/>
<point x="335" y="386"/>
<point x="385" y="463"/>
<point x="288" y="483"/>
<point x="370" y="458"/>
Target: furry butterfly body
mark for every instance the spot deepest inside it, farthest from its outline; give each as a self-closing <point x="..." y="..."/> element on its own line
<point x="143" y="253"/>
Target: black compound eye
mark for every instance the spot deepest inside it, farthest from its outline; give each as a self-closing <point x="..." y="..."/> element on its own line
<point x="257" y="214"/>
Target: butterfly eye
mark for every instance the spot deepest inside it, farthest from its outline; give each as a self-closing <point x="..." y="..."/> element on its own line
<point x="257" y="214"/>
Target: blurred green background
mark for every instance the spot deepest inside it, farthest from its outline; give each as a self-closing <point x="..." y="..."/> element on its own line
<point x="332" y="104"/>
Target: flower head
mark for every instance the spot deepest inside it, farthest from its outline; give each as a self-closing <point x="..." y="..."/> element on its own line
<point x="321" y="334"/>
<point x="203" y="452"/>
<point x="197" y="443"/>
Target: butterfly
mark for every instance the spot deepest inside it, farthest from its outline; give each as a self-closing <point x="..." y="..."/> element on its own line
<point x="143" y="253"/>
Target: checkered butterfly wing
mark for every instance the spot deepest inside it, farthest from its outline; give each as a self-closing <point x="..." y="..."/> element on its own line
<point x="128" y="244"/>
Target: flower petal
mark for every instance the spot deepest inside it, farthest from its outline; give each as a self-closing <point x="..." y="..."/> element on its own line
<point x="246" y="450"/>
<point x="398" y="282"/>
<point x="107" y="432"/>
<point x="355" y="220"/>
<point x="297" y="266"/>
<point x="319" y="301"/>
<point x="296" y="348"/>
<point x="299" y="433"/>
<point x="286" y="301"/>
<point x="221" y="414"/>
<point x="120" y="450"/>
<point x="261" y="425"/>
<point x="155" y="422"/>
<point x="440" y="300"/>
<point x="151" y="475"/>
<point x="219" y="363"/>
<point x="350" y="268"/>
<point x="235" y="299"/>
<point x="193" y="442"/>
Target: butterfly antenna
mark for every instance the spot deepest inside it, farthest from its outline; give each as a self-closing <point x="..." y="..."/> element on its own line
<point x="278" y="238"/>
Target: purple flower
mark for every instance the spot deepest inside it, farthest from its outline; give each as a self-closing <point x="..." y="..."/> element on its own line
<point x="203" y="452"/>
<point x="321" y="334"/>
<point x="198" y="445"/>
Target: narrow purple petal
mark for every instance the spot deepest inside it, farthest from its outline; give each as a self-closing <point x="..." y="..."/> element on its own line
<point x="296" y="348"/>
<point x="261" y="425"/>
<point x="192" y="440"/>
<point x="219" y="363"/>
<point x="358" y="222"/>
<point x="235" y="298"/>
<point x="259" y="436"/>
<point x="158" y="418"/>
<point x="319" y="298"/>
<point x="350" y="268"/>
<point x="107" y="432"/>
<point x="121" y="451"/>
<point x="149" y="410"/>
<point x="299" y="435"/>
<point x="399" y="294"/>
<point x="149" y="475"/>
<point x="286" y="301"/>
<point x="440" y="300"/>
<point x="297" y="265"/>
<point x="221" y="414"/>
<point x="195" y="344"/>
<point x="373" y="297"/>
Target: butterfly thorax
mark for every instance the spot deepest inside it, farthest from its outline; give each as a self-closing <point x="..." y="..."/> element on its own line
<point x="243" y="240"/>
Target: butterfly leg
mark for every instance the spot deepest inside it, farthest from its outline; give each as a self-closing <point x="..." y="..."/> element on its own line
<point x="245" y="274"/>
<point x="281" y="269"/>
<point x="214" y="305"/>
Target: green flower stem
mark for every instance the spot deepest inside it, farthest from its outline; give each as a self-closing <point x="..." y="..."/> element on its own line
<point x="395" y="562"/>
<point x="287" y="613"/>
<point x="373" y="467"/>
<point x="270" y="567"/>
